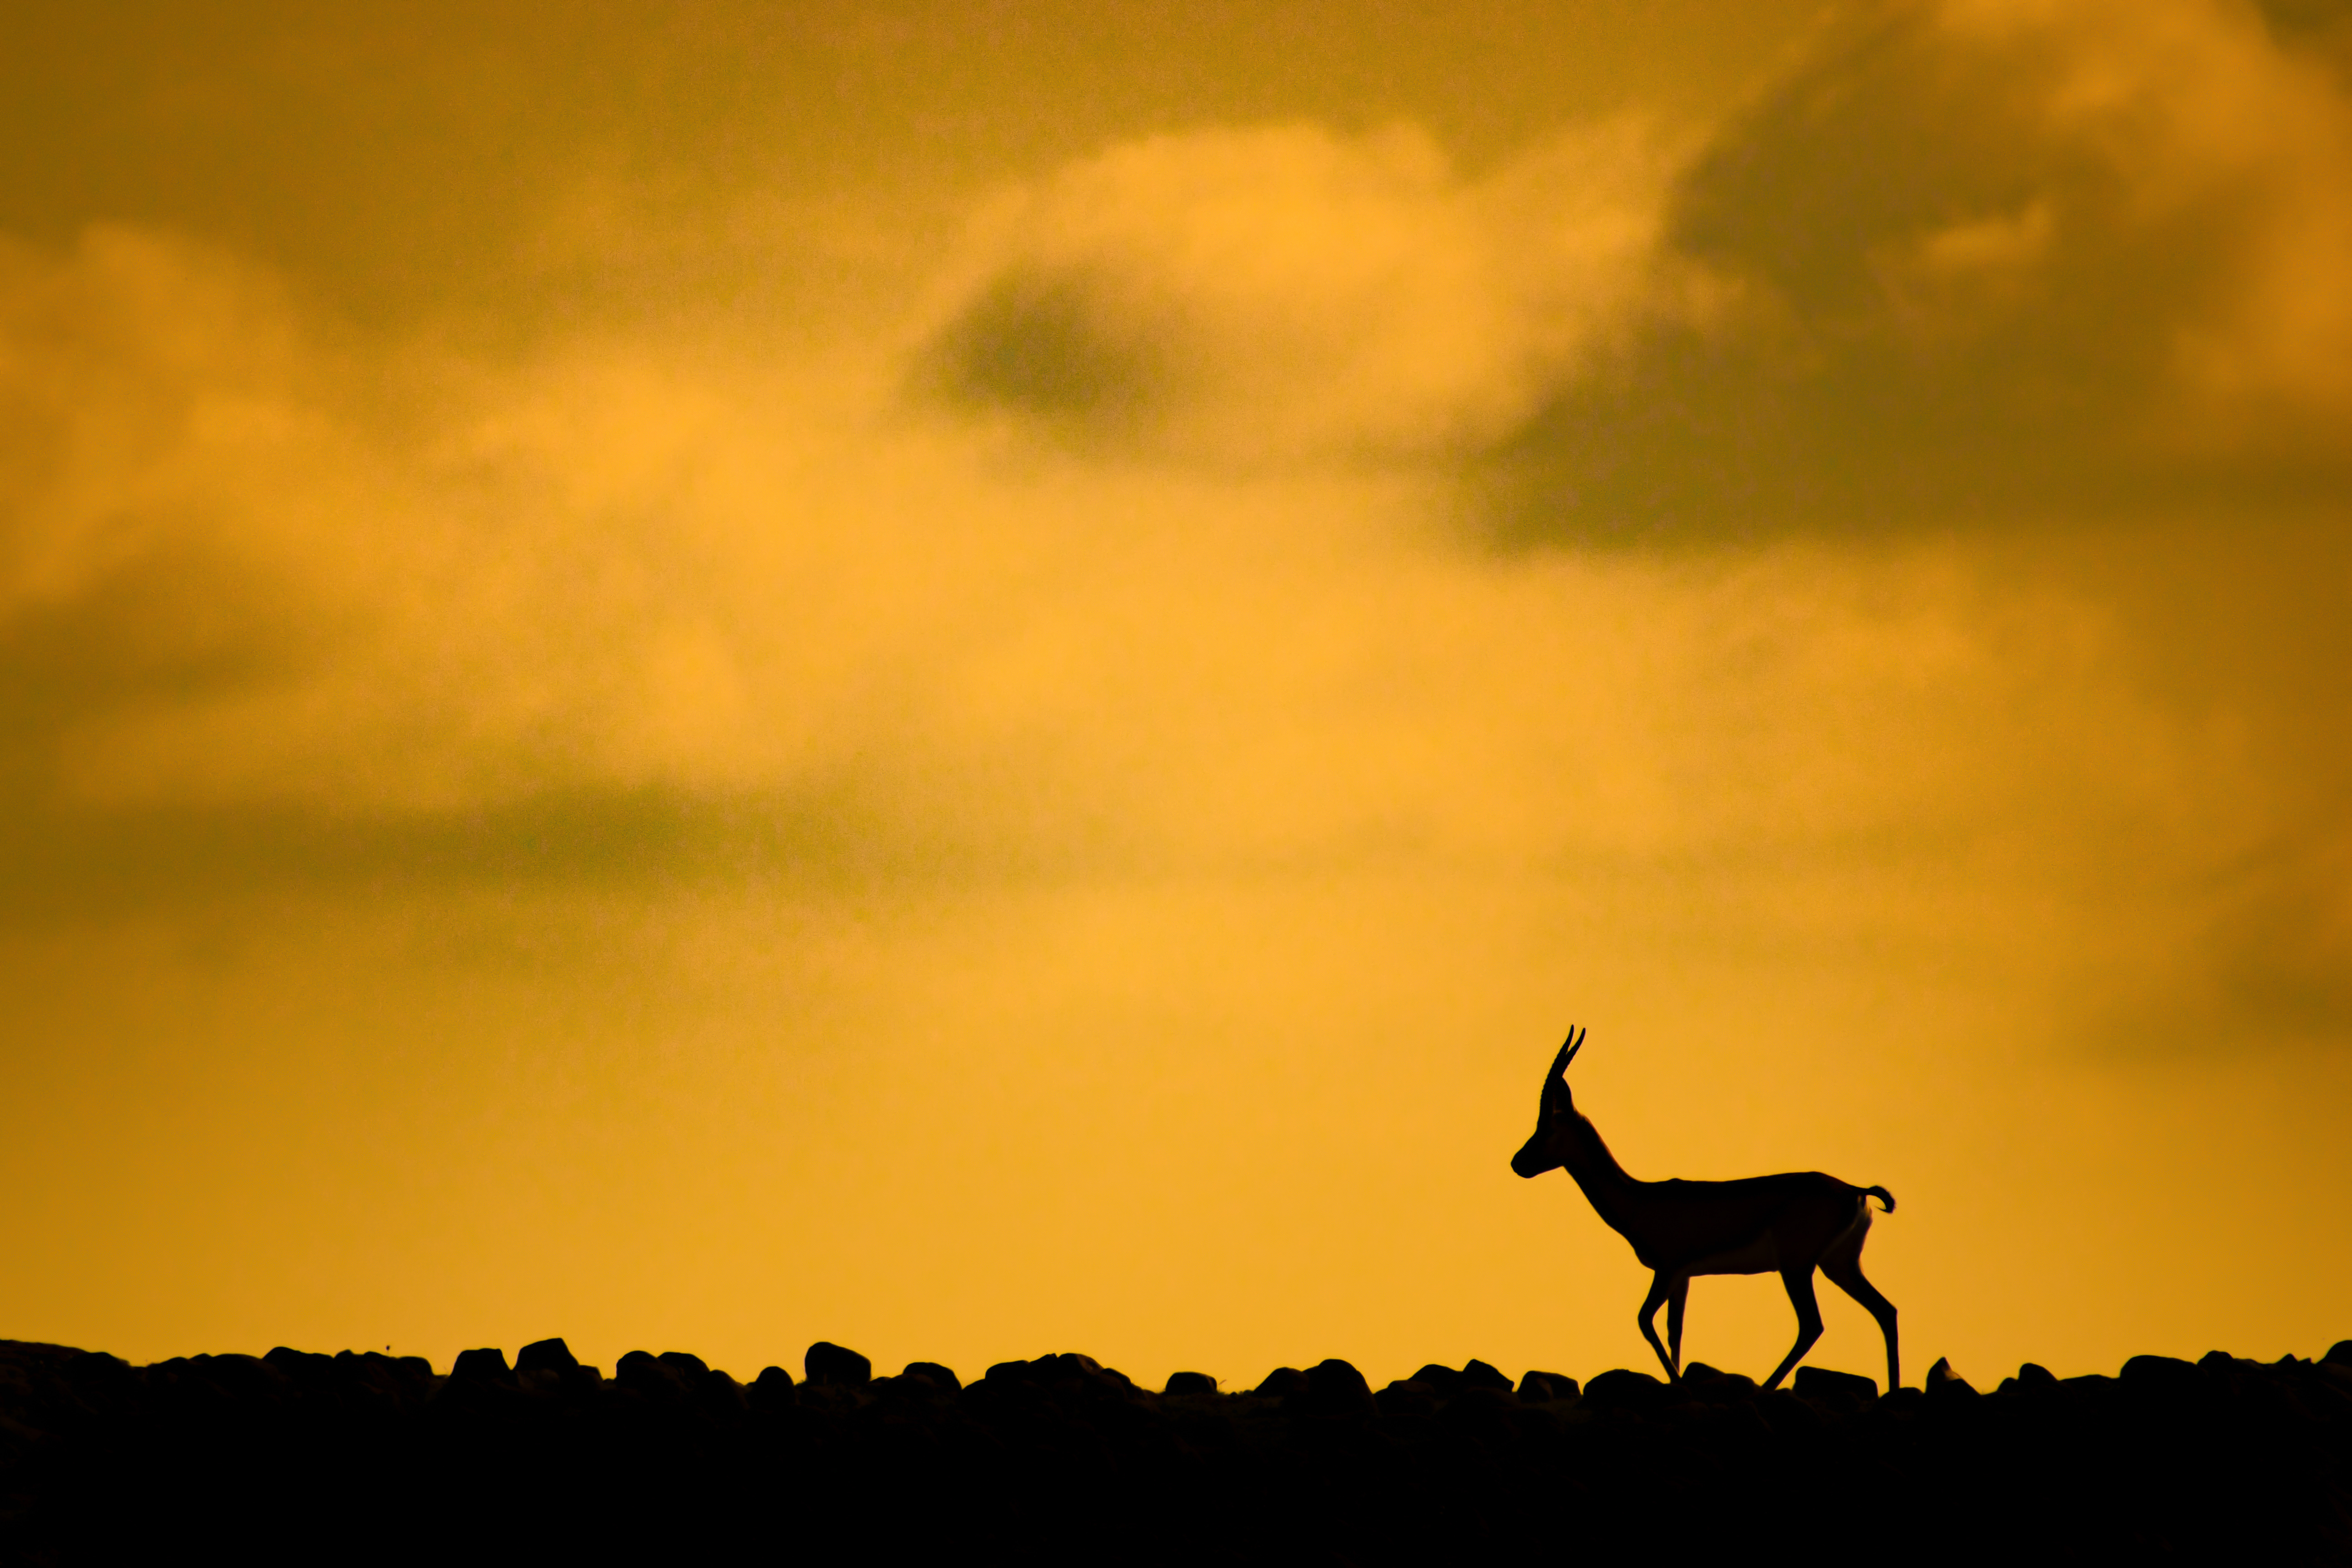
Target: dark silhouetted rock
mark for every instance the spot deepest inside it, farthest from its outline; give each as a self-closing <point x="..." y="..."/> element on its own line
<point x="293" y="1456"/>
<point x="1439" y="1380"/>
<point x="308" y="1366"/>
<point x="2160" y="1374"/>
<point x="1406" y="1396"/>
<point x="641" y="1372"/>
<point x="1623" y="1388"/>
<point x="373" y="1376"/>
<point x="1847" y="1391"/>
<point x="1336" y="1388"/>
<point x="1482" y="1416"/>
<point x="829" y="1365"/>
<point x="1191" y="1382"/>
<point x="1714" y="1387"/>
<point x="1792" y="1416"/>
<point x="1943" y="1383"/>
<point x="2339" y="1355"/>
<point x="1071" y="1367"/>
<point x="932" y="1371"/>
<point x="486" y="1365"/>
<point x="715" y="1393"/>
<point x="1479" y="1374"/>
<point x="1286" y="1382"/>
<point x="771" y="1390"/>
<point x="2033" y="1374"/>
<point x="685" y="1370"/>
<point x="1546" y="1385"/>
<point x="545" y="1355"/>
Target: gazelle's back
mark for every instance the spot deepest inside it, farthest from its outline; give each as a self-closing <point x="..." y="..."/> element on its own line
<point x="1682" y="1222"/>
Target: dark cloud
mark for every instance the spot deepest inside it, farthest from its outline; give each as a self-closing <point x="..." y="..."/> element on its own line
<point x="1972" y="261"/>
<point x="83" y="863"/>
<point x="1051" y="345"/>
<point x="175" y="623"/>
<point x="1962" y="265"/>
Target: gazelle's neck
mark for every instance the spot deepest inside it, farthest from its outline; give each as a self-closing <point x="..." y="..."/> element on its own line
<point x="1607" y="1185"/>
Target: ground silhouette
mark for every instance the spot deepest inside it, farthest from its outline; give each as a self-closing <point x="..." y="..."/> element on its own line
<point x="1788" y="1225"/>
<point x="368" y="1457"/>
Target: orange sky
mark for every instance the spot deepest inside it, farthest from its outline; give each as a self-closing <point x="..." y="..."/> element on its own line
<point x="979" y="680"/>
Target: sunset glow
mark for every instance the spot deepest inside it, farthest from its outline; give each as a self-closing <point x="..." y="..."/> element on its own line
<point x="981" y="680"/>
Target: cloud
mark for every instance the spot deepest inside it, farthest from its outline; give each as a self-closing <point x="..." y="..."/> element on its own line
<point x="1164" y="574"/>
<point x="241" y="565"/>
<point x="1996" y="260"/>
<point x="1288" y="292"/>
<point x="1965" y="261"/>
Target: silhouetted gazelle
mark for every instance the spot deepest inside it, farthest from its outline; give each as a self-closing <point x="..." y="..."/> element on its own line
<point x="1787" y="1225"/>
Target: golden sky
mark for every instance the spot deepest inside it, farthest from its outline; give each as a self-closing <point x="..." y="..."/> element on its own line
<point x="984" y="679"/>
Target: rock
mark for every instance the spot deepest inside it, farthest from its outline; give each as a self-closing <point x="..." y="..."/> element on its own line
<point x="771" y="1390"/>
<point x="545" y="1355"/>
<point x="934" y="1373"/>
<point x="2162" y="1375"/>
<point x="1070" y="1367"/>
<point x="1482" y="1414"/>
<point x="1335" y="1388"/>
<point x="688" y="1371"/>
<point x="2330" y="1386"/>
<point x="1943" y="1381"/>
<point x="715" y="1392"/>
<point x="1406" y="1396"/>
<point x="639" y="1370"/>
<point x="373" y="1372"/>
<point x="1283" y="1382"/>
<point x="486" y="1365"/>
<point x="1540" y="1385"/>
<point x="1191" y="1382"/>
<point x="1440" y="1380"/>
<point x="1066" y="1371"/>
<point x="1622" y="1388"/>
<point x="244" y="1379"/>
<point x="313" y="1374"/>
<point x="1788" y="1415"/>
<point x="2033" y="1374"/>
<point x="2339" y="1355"/>
<point x="1479" y="1374"/>
<point x="1846" y="1391"/>
<point x="830" y="1365"/>
<point x="1714" y="1386"/>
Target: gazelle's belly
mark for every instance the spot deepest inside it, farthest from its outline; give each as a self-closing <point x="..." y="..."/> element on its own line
<point x="1761" y="1255"/>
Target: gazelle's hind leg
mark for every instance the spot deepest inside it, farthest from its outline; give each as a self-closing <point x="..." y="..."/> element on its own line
<point x="1677" y="1294"/>
<point x="1844" y="1268"/>
<point x="1799" y="1283"/>
<point x="1660" y="1287"/>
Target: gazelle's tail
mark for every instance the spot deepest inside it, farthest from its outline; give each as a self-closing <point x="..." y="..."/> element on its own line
<point x="1882" y="1194"/>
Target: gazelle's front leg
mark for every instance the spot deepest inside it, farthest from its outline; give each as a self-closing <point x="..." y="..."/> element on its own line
<point x="1676" y="1295"/>
<point x="1661" y="1287"/>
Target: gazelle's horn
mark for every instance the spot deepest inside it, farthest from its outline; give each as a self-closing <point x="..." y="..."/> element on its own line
<point x="1553" y="1080"/>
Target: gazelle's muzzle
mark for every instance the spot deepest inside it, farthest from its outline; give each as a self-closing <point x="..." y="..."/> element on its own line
<point x="1532" y="1160"/>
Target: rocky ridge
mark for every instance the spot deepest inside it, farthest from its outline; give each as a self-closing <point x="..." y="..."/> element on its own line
<point x="364" y="1456"/>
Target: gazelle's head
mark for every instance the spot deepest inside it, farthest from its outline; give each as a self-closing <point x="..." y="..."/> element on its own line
<point x="1556" y="1118"/>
